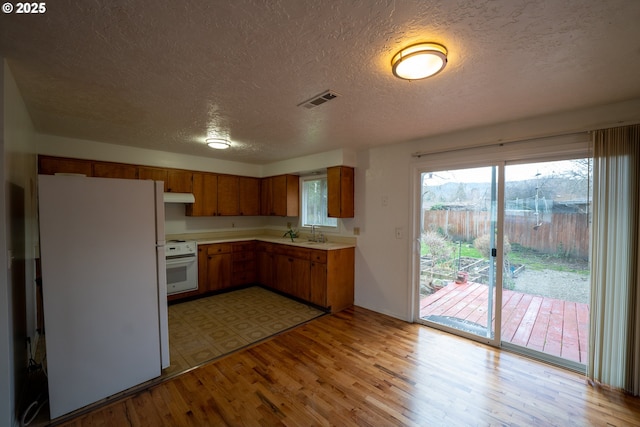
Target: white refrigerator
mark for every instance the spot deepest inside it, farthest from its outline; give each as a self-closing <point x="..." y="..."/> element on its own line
<point x="104" y="286"/>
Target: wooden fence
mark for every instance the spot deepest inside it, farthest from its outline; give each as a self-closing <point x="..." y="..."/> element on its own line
<point x="565" y="234"/>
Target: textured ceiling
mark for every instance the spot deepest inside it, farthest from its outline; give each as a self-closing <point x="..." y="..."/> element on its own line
<point x="165" y="74"/>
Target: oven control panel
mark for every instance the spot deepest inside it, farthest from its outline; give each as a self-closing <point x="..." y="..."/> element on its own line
<point x="180" y="248"/>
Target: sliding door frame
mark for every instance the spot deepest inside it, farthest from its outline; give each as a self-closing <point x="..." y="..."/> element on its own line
<point x="417" y="220"/>
<point x="562" y="147"/>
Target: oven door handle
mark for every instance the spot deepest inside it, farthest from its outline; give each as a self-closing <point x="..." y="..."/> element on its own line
<point x="181" y="260"/>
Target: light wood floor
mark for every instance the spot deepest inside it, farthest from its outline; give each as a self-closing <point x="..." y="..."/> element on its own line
<point x="361" y="368"/>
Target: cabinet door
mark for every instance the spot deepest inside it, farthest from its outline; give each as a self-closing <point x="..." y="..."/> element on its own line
<point x="318" y="284"/>
<point x="228" y="195"/>
<point x="154" y="174"/>
<point x="279" y="195"/>
<point x="244" y="263"/>
<point x="283" y="271"/>
<point x="52" y="165"/>
<point x="265" y="264"/>
<point x="293" y="195"/>
<point x="285" y="195"/>
<point x="249" y="195"/>
<point x="340" y="278"/>
<point x="300" y="272"/>
<point x="114" y="170"/>
<point x="340" y="192"/>
<point x="266" y="196"/>
<point x="209" y="195"/>
<point x="203" y="277"/>
<point x="219" y="271"/>
<point x="197" y="185"/>
<point x="179" y="181"/>
<point x="205" y="191"/>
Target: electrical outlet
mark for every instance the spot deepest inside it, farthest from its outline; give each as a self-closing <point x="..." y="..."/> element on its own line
<point x="356" y="231"/>
<point x="289" y="225"/>
<point x="385" y="200"/>
<point x="399" y="233"/>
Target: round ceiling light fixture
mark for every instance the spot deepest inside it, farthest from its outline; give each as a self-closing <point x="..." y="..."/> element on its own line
<point x="218" y="143"/>
<point x="419" y="61"/>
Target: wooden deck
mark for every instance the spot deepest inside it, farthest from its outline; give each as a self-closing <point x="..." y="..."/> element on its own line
<point x="555" y="327"/>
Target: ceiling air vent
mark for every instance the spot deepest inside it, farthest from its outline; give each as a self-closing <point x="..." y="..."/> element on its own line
<point x="319" y="99"/>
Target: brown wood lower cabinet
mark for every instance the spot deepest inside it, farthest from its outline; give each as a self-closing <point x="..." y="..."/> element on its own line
<point x="243" y="263"/>
<point x="291" y="271"/>
<point x="324" y="278"/>
<point x="214" y="267"/>
<point x="318" y="279"/>
<point x="266" y="259"/>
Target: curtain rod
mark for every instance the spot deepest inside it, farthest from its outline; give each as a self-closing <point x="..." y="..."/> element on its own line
<point x="501" y="143"/>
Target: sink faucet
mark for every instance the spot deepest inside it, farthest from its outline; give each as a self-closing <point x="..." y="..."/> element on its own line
<point x="316" y="237"/>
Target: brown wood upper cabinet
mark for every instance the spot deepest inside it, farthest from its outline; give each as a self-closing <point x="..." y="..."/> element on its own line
<point x="154" y="174"/>
<point x="114" y="170"/>
<point x="228" y="200"/>
<point x="48" y="165"/>
<point x="215" y="194"/>
<point x="205" y="191"/>
<point x="179" y="181"/>
<point x="249" y="195"/>
<point x="340" y="192"/>
<point x="224" y="195"/>
<point x="280" y="195"/>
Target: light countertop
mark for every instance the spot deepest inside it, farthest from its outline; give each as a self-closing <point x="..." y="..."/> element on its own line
<point x="300" y="242"/>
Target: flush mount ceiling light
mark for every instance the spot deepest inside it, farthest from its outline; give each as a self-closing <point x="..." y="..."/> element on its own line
<point x="218" y="143"/>
<point x="419" y="61"/>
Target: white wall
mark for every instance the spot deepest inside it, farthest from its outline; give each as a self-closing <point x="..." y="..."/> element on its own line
<point x="314" y="162"/>
<point x="384" y="191"/>
<point x="177" y="223"/>
<point x="17" y="241"/>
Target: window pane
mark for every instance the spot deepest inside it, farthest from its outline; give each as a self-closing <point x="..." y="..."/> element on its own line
<point x="314" y="203"/>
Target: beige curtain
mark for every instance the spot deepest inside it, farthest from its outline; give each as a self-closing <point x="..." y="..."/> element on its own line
<point x="614" y="334"/>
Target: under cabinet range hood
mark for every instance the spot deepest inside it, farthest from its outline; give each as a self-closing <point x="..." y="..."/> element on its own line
<point x="179" y="198"/>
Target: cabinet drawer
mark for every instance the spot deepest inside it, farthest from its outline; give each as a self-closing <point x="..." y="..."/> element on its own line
<point x="219" y="248"/>
<point x="292" y="251"/>
<point x="319" y="256"/>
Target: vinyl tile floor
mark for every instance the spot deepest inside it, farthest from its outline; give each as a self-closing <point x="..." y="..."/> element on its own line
<point x="205" y="329"/>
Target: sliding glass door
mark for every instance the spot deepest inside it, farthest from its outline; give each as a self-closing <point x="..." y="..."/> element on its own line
<point x="458" y="251"/>
<point x="504" y="256"/>
<point x="546" y="289"/>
